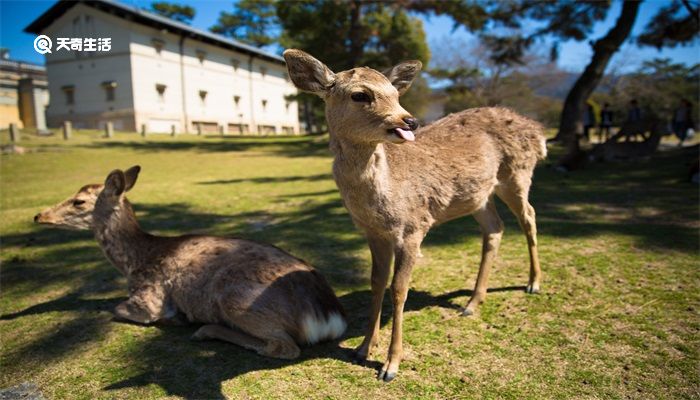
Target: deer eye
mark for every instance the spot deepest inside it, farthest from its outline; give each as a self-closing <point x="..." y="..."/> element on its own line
<point x="78" y="203"/>
<point x="360" y="97"/>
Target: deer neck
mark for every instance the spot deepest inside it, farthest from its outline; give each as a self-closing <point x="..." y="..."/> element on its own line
<point x="361" y="165"/>
<point x="121" y="238"/>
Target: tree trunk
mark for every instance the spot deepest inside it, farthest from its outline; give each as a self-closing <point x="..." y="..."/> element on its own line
<point x="572" y="114"/>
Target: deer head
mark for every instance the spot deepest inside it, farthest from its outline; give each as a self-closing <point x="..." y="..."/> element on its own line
<point x="78" y="211"/>
<point x="362" y="104"/>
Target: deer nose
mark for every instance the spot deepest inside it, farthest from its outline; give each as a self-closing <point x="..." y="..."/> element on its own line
<point x="36" y="218"/>
<point x="411" y="122"/>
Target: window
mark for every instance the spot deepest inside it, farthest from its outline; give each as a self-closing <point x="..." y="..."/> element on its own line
<point x="236" y="100"/>
<point x="264" y="105"/>
<point x="203" y="96"/>
<point x="158" y="45"/>
<point x="109" y="87"/>
<point x="77" y="31"/>
<point x="69" y="92"/>
<point x="263" y="71"/>
<point x="235" y="63"/>
<point x="286" y="106"/>
<point x="200" y="56"/>
<point x="161" y="92"/>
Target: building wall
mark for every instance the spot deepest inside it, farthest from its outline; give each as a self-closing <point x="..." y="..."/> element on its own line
<point x="222" y="74"/>
<point x="9" y="109"/>
<point x="138" y="68"/>
<point x="23" y="94"/>
<point x="87" y="71"/>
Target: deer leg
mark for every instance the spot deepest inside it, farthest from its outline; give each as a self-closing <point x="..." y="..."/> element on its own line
<point x="518" y="203"/>
<point x="278" y="347"/>
<point x="146" y="305"/>
<point x="406" y="254"/>
<point x="381" y="263"/>
<point x="491" y="231"/>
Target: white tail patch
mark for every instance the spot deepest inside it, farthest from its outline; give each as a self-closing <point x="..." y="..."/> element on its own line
<point x="543" y="143"/>
<point x="316" y="330"/>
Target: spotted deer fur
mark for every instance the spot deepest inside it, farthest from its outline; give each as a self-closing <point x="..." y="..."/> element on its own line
<point x="397" y="184"/>
<point x="251" y="294"/>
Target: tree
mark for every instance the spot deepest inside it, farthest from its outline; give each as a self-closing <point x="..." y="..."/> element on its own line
<point x="603" y="50"/>
<point x="253" y="22"/>
<point x="476" y="80"/>
<point x="573" y="20"/>
<point x="670" y="27"/>
<point x="658" y="86"/>
<point x="346" y="34"/>
<point x="178" y="12"/>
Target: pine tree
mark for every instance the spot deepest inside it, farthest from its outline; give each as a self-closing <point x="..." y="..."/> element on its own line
<point x="178" y="12"/>
<point x="253" y="22"/>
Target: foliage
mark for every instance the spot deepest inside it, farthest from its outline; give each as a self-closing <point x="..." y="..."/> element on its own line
<point x="476" y="80"/>
<point x="505" y="34"/>
<point x="346" y="34"/>
<point x="658" y="86"/>
<point x="676" y="24"/>
<point x="252" y="22"/>
<point x="178" y="12"/>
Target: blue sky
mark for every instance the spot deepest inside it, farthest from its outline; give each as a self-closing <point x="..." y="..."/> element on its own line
<point x="15" y="15"/>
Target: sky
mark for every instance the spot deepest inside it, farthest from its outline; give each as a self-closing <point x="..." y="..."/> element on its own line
<point x="16" y="15"/>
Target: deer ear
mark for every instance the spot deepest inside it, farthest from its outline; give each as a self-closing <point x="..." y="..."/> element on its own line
<point x="307" y="73"/>
<point x="402" y="75"/>
<point x="130" y="176"/>
<point x="115" y="183"/>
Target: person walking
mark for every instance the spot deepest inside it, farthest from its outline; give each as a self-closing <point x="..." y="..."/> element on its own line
<point x="683" y="120"/>
<point x="606" y="118"/>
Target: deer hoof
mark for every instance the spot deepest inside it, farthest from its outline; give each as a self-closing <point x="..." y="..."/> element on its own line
<point x="386" y="376"/>
<point x="532" y="289"/>
<point x="466" y="312"/>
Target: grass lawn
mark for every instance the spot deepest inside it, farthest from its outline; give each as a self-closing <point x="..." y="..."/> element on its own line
<point x="619" y="315"/>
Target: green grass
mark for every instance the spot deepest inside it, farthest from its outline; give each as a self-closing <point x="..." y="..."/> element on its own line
<point x="619" y="315"/>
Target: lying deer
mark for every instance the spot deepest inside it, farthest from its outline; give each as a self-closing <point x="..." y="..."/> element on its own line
<point x="251" y="294"/>
<point x="397" y="184"/>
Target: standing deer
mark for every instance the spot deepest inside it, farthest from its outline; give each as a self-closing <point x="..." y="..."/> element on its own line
<point x="251" y="294"/>
<point x="397" y="184"/>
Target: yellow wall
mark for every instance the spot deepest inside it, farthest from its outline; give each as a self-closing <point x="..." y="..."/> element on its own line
<point x="9" y="114"/>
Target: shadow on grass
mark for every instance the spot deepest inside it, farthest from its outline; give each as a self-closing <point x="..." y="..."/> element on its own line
<point x="282" y="146"/>
<point x="273" y="179"/>
<point x="606" y="198"/>
<point x="193" y="369"/>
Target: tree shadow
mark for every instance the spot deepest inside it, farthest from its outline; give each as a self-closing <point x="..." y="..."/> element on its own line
<point x="282" y="146"/>
<point x="322" y="232"/>
<point x="192" y="369"/>
<point x="272" y="179"/>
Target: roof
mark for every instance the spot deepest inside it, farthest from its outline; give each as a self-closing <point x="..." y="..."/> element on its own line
<point x="149" y="19"/>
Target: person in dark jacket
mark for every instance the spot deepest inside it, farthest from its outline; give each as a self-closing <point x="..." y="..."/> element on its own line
<point x="683" y="120"/>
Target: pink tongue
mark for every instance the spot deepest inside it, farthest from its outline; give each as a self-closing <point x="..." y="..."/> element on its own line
<point x="406" y="135"/>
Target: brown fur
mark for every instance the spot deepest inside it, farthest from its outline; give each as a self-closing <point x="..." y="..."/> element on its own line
<point x="396" y="189"/>
<point x="252" y="294"/>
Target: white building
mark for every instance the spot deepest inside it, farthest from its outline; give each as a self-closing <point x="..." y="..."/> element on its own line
<point x="160" y="73"/>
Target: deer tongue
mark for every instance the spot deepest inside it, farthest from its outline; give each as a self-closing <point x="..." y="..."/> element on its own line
<point x="405" y="135"/>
